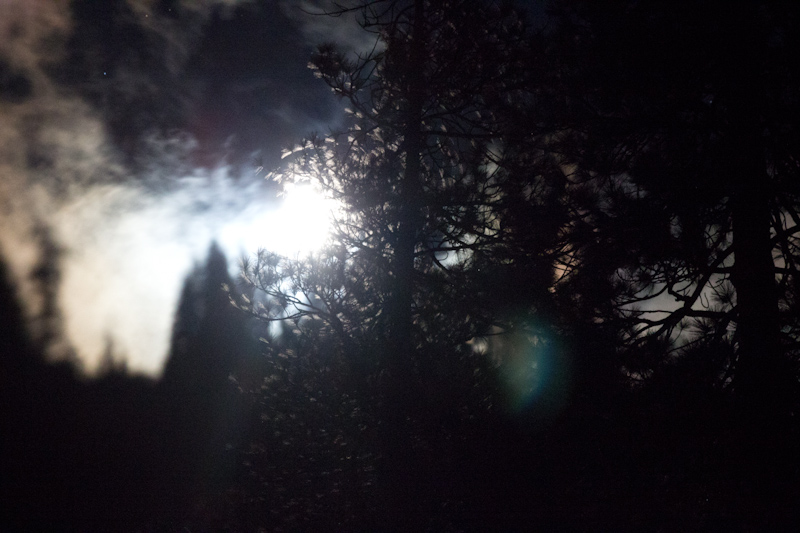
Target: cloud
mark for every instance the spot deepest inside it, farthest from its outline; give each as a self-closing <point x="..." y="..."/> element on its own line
<point x="51" y="143"/>
<point x="129" y="249"/>
<point x="319" y="28"/>
<point x="100" y="105"/>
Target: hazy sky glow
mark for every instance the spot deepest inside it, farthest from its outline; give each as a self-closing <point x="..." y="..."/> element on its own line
<point x="122" y="274"/>
<point x="132" y="155"/>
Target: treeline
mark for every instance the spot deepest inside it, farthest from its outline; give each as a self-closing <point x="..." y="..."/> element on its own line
<point x="117" y="452"/>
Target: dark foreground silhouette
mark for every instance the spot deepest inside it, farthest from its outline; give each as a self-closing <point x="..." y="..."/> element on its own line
<point x="208" y="448"/>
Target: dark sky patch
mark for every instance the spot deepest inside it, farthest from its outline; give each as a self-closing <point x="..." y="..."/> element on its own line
<point x="15" y="86"/>
<point x="252" y="90"/>
<point x="123" y="69"/>
<point x="236" y="80"/>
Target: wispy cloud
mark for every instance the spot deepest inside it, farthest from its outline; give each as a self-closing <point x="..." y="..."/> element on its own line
<point x="318" y="27"/>
<point x="91" y="164"/>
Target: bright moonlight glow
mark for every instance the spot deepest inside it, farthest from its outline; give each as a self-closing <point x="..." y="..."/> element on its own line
<point x="306" y="216"/>
<point x="299" y="226"/>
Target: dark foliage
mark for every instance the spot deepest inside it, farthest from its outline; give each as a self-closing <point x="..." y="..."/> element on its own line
<point x="674" y="121"/>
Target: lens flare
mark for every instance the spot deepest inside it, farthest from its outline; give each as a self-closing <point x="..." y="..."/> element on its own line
<point x="533" y="372"/>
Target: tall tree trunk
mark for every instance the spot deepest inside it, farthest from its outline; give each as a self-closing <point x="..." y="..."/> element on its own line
<point x="761" y="385"/>
<point x="757" y="368"/>
<point x="758" y="374"/>
<point x="402" y="395"/>
<point x="401" y="328"/>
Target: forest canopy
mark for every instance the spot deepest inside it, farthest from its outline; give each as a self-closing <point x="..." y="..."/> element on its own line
<point x="627" y="170"/>
<point x="537" y="215"/>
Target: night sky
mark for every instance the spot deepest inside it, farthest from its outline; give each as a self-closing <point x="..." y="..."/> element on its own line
<point x="133" y="134"/>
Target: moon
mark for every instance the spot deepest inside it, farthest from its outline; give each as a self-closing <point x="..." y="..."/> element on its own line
<point x="298" y="226"/>
<point x="307" y="215"/>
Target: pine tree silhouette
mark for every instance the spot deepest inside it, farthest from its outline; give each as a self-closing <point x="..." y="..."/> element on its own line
<point x="205" y="412"/>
